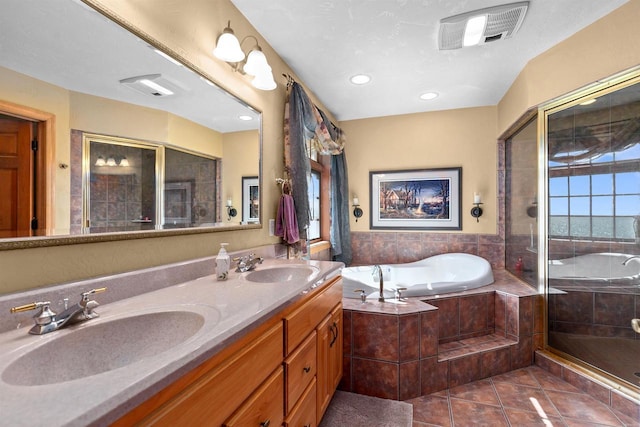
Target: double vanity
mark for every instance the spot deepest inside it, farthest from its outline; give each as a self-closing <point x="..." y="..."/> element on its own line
<point x="261" y="348"/>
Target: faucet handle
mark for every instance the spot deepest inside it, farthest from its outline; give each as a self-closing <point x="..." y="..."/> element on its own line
<point x="32" y="306"/>
<point x="44" y="317"/>
<point x="399" y="293"/>
<point x="363" y="294"/>
<point x="85" y="295"/>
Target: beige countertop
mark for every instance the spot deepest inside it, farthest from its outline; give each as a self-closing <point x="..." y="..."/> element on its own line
<point x="227" y="309"/>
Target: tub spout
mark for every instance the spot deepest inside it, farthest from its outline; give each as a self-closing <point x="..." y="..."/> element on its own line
<point x="379" y="269"/>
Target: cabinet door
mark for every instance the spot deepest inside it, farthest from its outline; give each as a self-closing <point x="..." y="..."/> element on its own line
<point x="265" y="407"/>
<point x="335" y="350"/>
<point x="329" y="370"/>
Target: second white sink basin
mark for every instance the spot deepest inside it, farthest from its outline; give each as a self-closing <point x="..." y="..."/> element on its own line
<point x="280" y="274"/>
<point x="102" y="346"/>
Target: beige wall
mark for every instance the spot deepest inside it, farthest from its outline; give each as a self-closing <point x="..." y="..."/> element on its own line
<point x="240" y="159"/>
<point x="607" y="47"/>
<point x="452" y="138"/>
<point x="190" y="29"/>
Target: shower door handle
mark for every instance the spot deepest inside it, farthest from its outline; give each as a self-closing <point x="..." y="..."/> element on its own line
<point x="635" y="324"/>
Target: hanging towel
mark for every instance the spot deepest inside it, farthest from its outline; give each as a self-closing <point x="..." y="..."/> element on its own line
<point x="286" y="220"/>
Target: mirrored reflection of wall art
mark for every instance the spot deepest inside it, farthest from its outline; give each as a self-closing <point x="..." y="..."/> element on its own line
<point x="416" y="199"/>
<point x="250" y="199"/>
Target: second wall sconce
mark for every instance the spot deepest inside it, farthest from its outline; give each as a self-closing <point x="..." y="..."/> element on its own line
<point x="357" y="212"/>
<point x="255" y="64"/>
<point x="231" y="211"/>
<point x="476" y="211"/>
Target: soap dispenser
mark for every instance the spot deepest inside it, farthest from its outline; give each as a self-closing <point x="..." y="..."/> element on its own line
<point x="223" y="262"/>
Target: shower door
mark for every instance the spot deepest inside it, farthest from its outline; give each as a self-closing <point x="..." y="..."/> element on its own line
<point x="593" y="212"/>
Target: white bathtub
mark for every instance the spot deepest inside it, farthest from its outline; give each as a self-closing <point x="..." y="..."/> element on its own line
<point x="605" y="267"/>
<point x="438" y="274"/>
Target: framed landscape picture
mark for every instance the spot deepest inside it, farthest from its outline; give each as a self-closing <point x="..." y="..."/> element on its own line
<point x="425" y="199"/>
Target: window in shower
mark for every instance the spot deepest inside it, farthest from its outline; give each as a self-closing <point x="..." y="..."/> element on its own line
<point x="593" y="212"/>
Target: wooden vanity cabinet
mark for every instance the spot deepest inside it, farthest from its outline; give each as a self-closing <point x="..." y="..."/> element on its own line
<point x="320" y="320"/>
<point x="272" y="376"/>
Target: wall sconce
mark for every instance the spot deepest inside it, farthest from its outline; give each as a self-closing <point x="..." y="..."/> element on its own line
<point x="231" y="211"/>
<point x="229" y="49"/>
<point x="357" y="212"/>
<point x="476" y="211"/>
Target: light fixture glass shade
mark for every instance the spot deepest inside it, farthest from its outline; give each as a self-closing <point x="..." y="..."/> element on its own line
<point x="111" y="161"/>
<point x="256" y="62"/>
<point x="124" y="162"/>
<point x="228" y="47"/>
<point x="264" y="80"/>
<point x="100" y="161"/>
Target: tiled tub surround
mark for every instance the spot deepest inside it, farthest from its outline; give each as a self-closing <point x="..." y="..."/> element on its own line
<point x="401" y="351"/>
<point x="229" y="308"/>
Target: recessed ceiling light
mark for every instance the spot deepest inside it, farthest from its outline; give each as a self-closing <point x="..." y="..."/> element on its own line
<point x="360" y="79"/>
<point x="589" y="102"/>
<point x="245" y="118"/>
<point x="428" y="95"/>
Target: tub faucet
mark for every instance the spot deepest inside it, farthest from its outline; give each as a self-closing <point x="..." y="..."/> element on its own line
<point x="48" y="321"/>
<point x="379" y="269"/>
<point x="626" y="261"/>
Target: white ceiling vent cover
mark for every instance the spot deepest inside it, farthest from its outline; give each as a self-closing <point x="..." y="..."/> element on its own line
<point x="502" y="22"/>
<point x="151" y="85"/>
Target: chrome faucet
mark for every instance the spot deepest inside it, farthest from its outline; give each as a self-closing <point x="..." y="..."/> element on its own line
<point x="373" y="273"/>
<point x="626" y="261"/>
<point x="247" y="263"/>
<point x="48" y="321"/>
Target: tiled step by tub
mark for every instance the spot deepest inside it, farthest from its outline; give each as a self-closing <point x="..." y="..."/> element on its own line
<point x="401" y="351"/>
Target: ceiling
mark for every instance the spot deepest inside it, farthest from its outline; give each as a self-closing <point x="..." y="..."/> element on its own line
<point x="396" y="43"/>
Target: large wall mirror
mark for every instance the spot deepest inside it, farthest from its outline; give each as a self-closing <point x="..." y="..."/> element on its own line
<point x="130" y="141"/>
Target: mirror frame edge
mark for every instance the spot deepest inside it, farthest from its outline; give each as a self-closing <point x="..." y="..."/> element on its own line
<point x="63" y="240"/>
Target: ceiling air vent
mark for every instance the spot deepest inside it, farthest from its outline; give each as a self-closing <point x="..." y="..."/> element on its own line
<point x="481" y="26"/>
<point x="151" y="84"/>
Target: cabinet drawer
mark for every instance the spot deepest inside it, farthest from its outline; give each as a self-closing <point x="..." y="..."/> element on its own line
<point x="264" y="407"/>
<point x="299" y="324"/>
<point x="215" y="395"/>
<point x="300" y="369"/>
<point x="304" y="413"/>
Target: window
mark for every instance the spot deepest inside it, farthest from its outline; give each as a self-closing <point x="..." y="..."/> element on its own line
<point x="314" y="204"/>
<point x="318" y="184"/>
<point x="594" y="169"/>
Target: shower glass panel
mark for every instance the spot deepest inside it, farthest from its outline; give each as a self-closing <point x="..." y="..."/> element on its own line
<point x="593" y="152"/>
<point x="190" y="190"/>
<point x="521" y="225"/>
<point x="120" y="194"/>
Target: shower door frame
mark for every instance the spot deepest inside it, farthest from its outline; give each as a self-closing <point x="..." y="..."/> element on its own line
<point x="600" y="88"/>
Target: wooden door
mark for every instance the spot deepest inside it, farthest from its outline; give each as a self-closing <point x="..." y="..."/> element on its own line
<point x="16" y="177"/>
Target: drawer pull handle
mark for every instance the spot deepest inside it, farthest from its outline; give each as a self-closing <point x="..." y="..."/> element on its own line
<point x="265" y="423"/>
<point x="306" y="369"/>
<point x="334" y="332"/>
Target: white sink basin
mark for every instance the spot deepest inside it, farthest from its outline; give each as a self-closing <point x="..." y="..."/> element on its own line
<point x="102" y="346"/>
<point x="279" y="274"/>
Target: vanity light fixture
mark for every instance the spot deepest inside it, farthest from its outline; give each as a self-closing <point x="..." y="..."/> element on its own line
<point x="100" y="161"/>
<point x="111" y="161"/>
<point x="476" y="211"/>
<point x="360" y="79"/>
<point x="229" y="49"/>
<point x="357" y="211"/>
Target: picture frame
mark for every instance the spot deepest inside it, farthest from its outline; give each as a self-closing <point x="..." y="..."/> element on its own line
<point x="417" y="199"/>
<point x="250" y="200"/>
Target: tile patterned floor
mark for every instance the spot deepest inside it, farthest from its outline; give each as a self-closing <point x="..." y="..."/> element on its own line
<point x="525" y="397"/>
